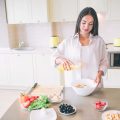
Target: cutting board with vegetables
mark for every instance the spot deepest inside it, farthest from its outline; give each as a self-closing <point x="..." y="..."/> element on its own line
<point x="54" y="93"/>
<point x="34" y="102"/>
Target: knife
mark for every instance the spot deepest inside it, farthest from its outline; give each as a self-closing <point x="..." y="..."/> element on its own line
<point x="31" y="89"/>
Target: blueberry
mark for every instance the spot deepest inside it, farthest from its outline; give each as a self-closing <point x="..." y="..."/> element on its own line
<point x="66" y="108"/>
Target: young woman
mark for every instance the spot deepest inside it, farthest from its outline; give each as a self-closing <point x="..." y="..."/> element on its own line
<point x="86" y="47"/>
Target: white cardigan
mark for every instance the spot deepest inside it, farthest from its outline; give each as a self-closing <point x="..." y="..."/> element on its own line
<point x="92" y="57"/>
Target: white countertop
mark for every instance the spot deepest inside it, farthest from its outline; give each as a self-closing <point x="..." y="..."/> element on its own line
<point x="41" y="50"/>
<point x="113" y="49"/>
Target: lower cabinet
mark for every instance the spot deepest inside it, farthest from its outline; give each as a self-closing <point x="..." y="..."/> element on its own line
<point x="4" y="69"/>
<point x="21" y="70"/>
<point x="45" y="73"/>
<point x="112" y="78"/>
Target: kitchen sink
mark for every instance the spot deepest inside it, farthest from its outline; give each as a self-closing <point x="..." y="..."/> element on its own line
<point x="24" y="48"/>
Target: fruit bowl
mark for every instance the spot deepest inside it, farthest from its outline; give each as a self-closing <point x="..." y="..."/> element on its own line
<point x="85" y="87"/>
<point x="66" y="109"/>
<point x="101" y="105"/>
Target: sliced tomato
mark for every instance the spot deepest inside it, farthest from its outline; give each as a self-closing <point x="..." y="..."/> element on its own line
<point x="23" y="98"/>
<point x="31" y="99"/>
<point x="26" y="104"/>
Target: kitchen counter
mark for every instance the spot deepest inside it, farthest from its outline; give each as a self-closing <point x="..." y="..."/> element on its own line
<point x="41" y="50"/>
<point x="85" y="105"/>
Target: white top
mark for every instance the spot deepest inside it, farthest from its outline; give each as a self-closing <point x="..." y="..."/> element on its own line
<point x="92" y="57"/>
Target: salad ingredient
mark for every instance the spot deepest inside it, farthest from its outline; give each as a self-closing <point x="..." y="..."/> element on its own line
<point x="41" y="102"/>
<point x="101" y="105"/>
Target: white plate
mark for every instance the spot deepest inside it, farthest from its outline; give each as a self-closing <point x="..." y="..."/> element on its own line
<point x="68" y="113"/>
<point x="58" y="100"/>
<point x="43" y="114"/>
<point x="110" y="112"/>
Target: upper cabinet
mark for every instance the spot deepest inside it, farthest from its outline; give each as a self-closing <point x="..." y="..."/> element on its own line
<point x="39" y="11"/>
<point x="113" y="10"/>
<point x="26" y="11"/>
<point x="63" y="10"/>
<point x="99" y="5"/>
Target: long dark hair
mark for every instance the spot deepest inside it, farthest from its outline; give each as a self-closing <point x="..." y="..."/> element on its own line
<point x="84" y="12"/>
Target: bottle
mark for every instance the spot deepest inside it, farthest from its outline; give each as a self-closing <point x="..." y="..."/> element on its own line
<point x="73" y="67"/>
<point x="54" y="41"/>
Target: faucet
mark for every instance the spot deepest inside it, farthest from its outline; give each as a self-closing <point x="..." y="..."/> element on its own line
<point x="21" y="44"/>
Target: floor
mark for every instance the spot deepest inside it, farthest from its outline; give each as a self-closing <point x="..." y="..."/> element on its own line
<point x="7" y="97"/>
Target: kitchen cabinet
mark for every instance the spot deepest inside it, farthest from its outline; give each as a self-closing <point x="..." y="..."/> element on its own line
<point x="99" y="5"/>
<point x="113" y="10"/>
<point x="26" y="11"/>
<point x="39" y="11"/>
<point x="63" y="10"/>
<point x="112" y="78"/>
<point x="18" y="11"/>
<point x="45" y="73"/>
<point x="21" y="70"/>
<point x="4" y="69"/>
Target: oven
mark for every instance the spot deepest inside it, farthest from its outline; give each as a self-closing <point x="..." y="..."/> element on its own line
<point x="114" y="59"/>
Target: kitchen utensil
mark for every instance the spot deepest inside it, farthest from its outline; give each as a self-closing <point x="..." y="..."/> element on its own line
<point x="73" y="67"/>
<point x="31" y="89"/>
<point x="84" y="87"/>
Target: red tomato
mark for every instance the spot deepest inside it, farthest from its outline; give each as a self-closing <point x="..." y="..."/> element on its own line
<point x="36" y="97"/>
<point x="26" y="104"/>
<point x="23" y="98"/>
<point x="98" y="103"/>
<point x="103" y="103"/>
<point x="98" y="107"/>
<point x="31" y="99"/>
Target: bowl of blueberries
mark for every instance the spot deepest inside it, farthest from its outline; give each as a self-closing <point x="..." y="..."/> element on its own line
<point x="66" y="109"/>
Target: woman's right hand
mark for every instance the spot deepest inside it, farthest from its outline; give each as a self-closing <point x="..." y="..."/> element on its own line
<point x="65" y="63"/>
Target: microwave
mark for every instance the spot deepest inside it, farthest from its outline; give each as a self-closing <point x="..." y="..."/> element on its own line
<point x="114" y="59"/>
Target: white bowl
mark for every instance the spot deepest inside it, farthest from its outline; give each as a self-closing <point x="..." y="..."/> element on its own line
<point x="84" y="87"/>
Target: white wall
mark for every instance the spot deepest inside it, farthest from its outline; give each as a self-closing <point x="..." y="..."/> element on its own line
<point x="39" y="35"/>
<point x="110" y="30"/>
<point x="3" y="26"/>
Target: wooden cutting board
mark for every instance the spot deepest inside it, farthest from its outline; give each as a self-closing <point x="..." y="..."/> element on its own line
<point x="45" y="90"/>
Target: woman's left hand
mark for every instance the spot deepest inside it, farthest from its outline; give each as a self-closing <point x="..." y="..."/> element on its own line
<point x="98" y="77"/>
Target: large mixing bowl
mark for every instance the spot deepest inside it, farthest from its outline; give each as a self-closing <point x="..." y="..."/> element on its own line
<point x="85" y="87"/>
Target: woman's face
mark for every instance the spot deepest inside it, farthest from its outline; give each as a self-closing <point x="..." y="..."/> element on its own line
<point x="86" y="24"/>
